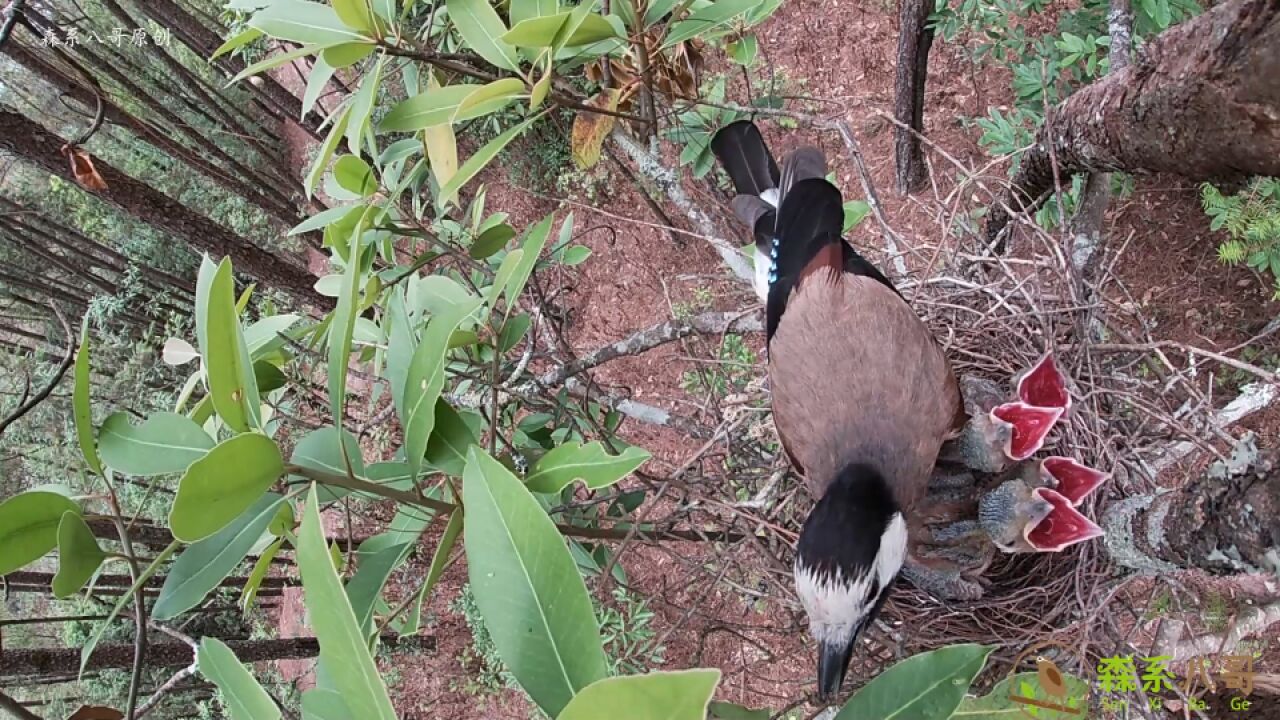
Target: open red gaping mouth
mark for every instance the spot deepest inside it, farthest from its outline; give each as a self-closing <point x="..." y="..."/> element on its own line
<point x="1073" y="480"/>
<point x="1044" y="386"/>
<point x="1063" y="527"/>
<point x="1031" y="425"/>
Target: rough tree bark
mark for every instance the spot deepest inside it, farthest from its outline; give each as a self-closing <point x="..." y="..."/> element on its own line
<point x="30" y="141"/>
<point x="1224" y="522"/>
<point x="1200" y="101"/>
<point x="915" y="38"/>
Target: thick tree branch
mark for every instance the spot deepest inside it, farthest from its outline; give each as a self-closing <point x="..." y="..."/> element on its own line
<point x="1200" y="101"/>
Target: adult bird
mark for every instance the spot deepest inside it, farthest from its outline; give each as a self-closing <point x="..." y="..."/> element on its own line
<point x="863" y="396"/>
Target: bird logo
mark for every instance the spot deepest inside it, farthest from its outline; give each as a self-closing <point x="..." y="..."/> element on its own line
<point x="1047" y="693"/>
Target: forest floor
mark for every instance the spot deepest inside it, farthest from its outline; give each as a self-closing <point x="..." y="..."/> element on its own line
<point x="839" y="55"/>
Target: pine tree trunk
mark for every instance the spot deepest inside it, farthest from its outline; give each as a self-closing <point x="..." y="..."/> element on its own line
<point x="1200" y="101"/>
<point x="30" y="141"/>
<point x="114" y="114"/>
<point x="915" y="38"/>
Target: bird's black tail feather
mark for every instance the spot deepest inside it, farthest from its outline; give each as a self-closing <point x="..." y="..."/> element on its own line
<point x="810" y="220"/>
<point x="744" y="155"/>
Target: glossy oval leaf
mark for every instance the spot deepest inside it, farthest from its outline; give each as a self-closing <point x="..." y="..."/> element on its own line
<point x="590" y="463"/>
<point x="488" y="98"/>
<point x="327" y="148"/>
<point x="482" y="30"/>
<point x="29" y="527"/>
<point x="224" y="483"/>
<point x="733" y="711"/>
<point x="356" y="14"/>
<point x="451" y="440"/>
<point x="678" y="695"/>
<point x="243" y="697"/>
<point x="928" y="686"/>
<point x="304" y="22"/>
<point x="344" y="650"/>
<point x="491" y="241"/>
<point x="81" y="409"/>
<point x="164" y="443"/>
<point x="528" y="588"/>
<point x="78" y="555"/>
<point x="536" y="32"/>
<point x="237" y="41"/>
<point x="228" y="369"/>
<point x="425" y="380"/>
<point x="354" y="174"/>
<point x="436" y="106"/>
<point x="204" y="564"/>
<point x="344" y="315"/>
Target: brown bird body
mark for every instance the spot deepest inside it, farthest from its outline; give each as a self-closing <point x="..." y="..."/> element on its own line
<point x="857" y="377"/>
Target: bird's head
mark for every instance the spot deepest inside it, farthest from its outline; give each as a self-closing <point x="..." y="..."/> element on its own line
<point x="851" y="548"/>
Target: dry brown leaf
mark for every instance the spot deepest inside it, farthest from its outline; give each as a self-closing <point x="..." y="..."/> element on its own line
<point x="82" y="168"/>
<point x="590" y="129"/>
<point x="96" y="712"/>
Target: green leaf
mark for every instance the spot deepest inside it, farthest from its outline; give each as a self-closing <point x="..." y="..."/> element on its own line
<point x="528" y="588"/>
<point x="451" y="438"/>
<point x="927" y="686"/>
<point x="354" y="174"/>
<point x="576" y="255"/>
<point x="243" y="697"/>
<point x="679" y="695"/>
<point x="321" y="450"/>
<point x="86" y="652"/>
<point x="493" y="96"/>
<point x="996" y="705"/>
<point x="531" y="251"/>
<point x="362" y="107"/>
<point x="327" y="149"/>
<point x="344" y="320"/>
<point x="81" y="410"/>
<point x="734" y="711"/>
<point x="260" y="569"/>
<point x="223" y="484"/>
<point x="536" y="32"/>
<point x="304" y="22"/>
<point x="713" y="19"/>
<point x="321" y="704"/>
<point x="854" y="212"/>
<point x="228" y="369"/>
<point x="274" y="61"/>
<point x="502" y="278"/>
<point x="164" y="443"/>
<point x="365" y="587"/>
<point x="237" y="41"/>
<point x="29" y="527"/>
<point x="481" y="29"/>
<point x="436" y="106"/>
<point x="204" y="564"/>
<point x="344" y="650"/>
<point x="522" y="10"/>
<point x="338" y="57"/>
<point x="355" y="14"/>
<point x="426" y="378"/>
<point x="590" y="463"/>
<point x="438" y="561"/>
<point x="263" y="337"/>
<point x="592" y="29"/>
<point x="491" y="241"/>
<point x="321" y="72"/>
<point x="513" y="331"/>
<point x="78" y="555"/>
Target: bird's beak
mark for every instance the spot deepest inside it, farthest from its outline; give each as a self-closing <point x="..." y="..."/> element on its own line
<point x="833" y="661"/>
<point x="1063" y="527"/>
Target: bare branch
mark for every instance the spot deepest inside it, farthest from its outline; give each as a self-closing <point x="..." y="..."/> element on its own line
<point x="30" y="403"/>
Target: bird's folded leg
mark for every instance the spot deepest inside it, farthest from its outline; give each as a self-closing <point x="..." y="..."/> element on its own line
<point x="984" y="441"/>
<point x="942" y="578"/>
